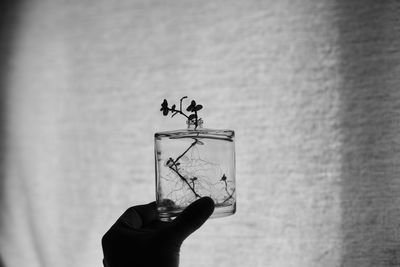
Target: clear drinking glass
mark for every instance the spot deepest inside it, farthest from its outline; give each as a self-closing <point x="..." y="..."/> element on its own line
<point x="193" y="163"/>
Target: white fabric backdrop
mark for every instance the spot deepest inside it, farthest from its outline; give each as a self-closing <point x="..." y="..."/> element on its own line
<point x="310" y="87"/>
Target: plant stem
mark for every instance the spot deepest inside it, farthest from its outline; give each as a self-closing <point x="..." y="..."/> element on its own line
<point x="230" y="195"/>
<point x="178" y="111"/>
<point x="185" y="180"/>
<point x="192" y="145"/>
<point x="195" y="123"/>
<point x="180" y="175"/>
<point x="180" y="106"/>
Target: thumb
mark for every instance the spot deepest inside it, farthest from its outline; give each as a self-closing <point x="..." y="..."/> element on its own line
<point x="192" y="217"/>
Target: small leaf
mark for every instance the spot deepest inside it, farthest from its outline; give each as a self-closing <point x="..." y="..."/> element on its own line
<point x="223" y="178"/>
<point x="192" y="117"/>
<point x="199" y="142"/>
<point x="192" y="106"/>
<point x="173" y="107"/>
<point x="198" y="107"/>
<point x="169" y="163"/>
<point x="164" y="103"/>
<point x="164" y="107"/>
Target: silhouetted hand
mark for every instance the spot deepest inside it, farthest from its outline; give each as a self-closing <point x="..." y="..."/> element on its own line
<point x="139" y="239"/>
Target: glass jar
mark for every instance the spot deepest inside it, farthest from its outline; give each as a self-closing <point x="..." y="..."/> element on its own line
<point x="192" y="163"/>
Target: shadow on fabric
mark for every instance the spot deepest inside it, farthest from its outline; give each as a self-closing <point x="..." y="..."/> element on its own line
<point x="369" y="37"/>
<point x="8" y="28"/>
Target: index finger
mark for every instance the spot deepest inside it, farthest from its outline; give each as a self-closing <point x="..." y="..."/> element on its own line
<point x="139" y="216"/>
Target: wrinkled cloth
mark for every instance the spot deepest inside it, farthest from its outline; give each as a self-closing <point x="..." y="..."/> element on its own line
<point x="311" y="89"/>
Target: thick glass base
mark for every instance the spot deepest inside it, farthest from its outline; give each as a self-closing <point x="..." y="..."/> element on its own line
<point x="219" y="211"/>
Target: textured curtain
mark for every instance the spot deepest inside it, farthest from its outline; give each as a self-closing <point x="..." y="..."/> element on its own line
<point x="312" y="89"/>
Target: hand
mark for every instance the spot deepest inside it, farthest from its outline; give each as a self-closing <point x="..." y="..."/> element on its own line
<point x="139" y="239"/>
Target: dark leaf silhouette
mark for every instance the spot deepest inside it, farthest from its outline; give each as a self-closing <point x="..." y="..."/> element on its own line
<point x="198" y="107"/>
<point x="170" y="162"/>
<point x="164" y="107"/>
<point x="192" y="117"/>
<point x="192" y="106"/>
